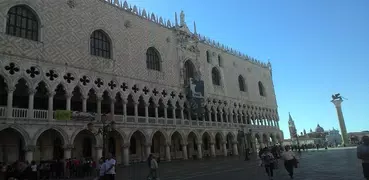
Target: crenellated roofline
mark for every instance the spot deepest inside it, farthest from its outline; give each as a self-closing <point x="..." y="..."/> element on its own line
<point x="142" y="13"/>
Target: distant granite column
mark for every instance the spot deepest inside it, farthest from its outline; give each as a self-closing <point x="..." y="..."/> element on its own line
<point x="337" y="103"/>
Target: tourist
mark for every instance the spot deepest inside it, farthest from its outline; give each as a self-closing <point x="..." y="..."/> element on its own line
<point x="102" y="169"/>
<point x="110" y="167"/>
<point x="363" y="154"/>
<point x="268" y="162"/>
<point x="153" y="165"/>
<point x="34" y="170"/>
<point x="290" y="161"/>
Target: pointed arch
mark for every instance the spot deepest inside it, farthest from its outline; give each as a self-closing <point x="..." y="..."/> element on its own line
<point x="189" y="71"/>
<point x="261" y="89"/>
<point x="25" y="135"/>
<point x="61" y="131"/>
<point x="241" y="83"/>
<point x="216" y="77"/>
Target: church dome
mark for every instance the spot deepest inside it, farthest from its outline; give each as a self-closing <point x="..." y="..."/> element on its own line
<point x="319" y="129"/>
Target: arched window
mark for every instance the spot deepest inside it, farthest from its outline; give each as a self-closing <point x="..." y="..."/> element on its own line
<point x="153" y="59"/>
<point x="189" y="71"/>
<point x="215" y="74"/>
<point x="100" y="44"/>
<point x="22" y="22"/>
<point x="261" y="89"/>
<point x="241" y="83"/>
<point x="220" y="62"/>
<point x="208" y="57"/>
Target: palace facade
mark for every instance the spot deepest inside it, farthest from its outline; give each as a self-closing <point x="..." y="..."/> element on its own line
<point x="111" y="63"/>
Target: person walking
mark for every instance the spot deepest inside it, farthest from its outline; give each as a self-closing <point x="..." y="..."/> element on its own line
<point x="290" y="160"/>
<point x="268" y="162"/>
<point x="102" y="169"/>
<point x="153" y="168"/>
<point x="363" y="154"/>
<point x="110" y="165"/>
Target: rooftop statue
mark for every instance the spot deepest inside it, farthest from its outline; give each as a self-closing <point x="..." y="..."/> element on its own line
<point x="182" y="20"/>
<point x="336" y="97"/>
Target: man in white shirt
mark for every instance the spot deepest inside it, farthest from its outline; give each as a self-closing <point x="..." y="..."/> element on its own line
<point x="110" y="167"/>
<point x="363" y="154"/>
<point x="289" y="160"/>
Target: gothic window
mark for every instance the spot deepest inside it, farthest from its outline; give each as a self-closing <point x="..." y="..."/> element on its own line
<point x="208" y="57"/>
<point x="100" y="44"/>
<point x="220" y="62"/>
<point x="261" y="89"/>
<point x="153" y="61"/>
<point x="22" y="22"/>
<point x="215" y="74"/>
<point x="241" y="83"/>
<point x="189" y="71"/>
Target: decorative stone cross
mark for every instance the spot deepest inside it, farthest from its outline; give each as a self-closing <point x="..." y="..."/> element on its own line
<point x="99" y="82"/>
<point x="135" y="88"/>
<point x="84" y="80"/>
<point x="12" y="68"/>
<point x="124" y="86"/>
<point x="155" y="92"/>
<point x="68" y="77"/>
<point x="33" y="71"/>
<point x="145" y="90"/>
<point x="164" y="93"/>
<point x="112" y="85"/>
<point x="51" y="75"/>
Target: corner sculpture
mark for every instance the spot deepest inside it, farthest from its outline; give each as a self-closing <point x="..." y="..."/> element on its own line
<point x="336" y="97"/>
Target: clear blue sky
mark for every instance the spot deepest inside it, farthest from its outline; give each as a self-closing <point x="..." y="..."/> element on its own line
<point x="317" y="48"/>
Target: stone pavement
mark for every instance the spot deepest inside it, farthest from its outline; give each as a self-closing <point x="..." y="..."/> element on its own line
<point x="337" y="164"/>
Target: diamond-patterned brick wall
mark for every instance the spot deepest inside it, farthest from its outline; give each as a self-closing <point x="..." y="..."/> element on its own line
<point x="65" y="37"/>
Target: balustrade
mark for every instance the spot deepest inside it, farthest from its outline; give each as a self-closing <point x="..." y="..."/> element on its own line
<point x="20" y="113"/>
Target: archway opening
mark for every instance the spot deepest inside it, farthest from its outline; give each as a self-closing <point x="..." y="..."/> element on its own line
<point x="41" y="97"/>
<point x="176" y="149"/>
<point x="50" y="146"/>
<point x="12" y="145"/>
<point x="158" y="145"/>
<point x="192" y="145"/>
<point x="76" y="101"/>
<point x="114" y="142"/>
<point x="137" y="146"/>
<point x="151" y="107"/>
<point x="161" y="108"/>
<point x="118" y="105"/>
<point x="130" y="106"/>
<point x="84" y="145"/>
<point x="20" y="96"/>
<point x="91" y="102"/>
<point x="3" y="93"/>
<point x="105" y="103"/>
<point x="141" y="107"/>
<point x="218" y="141"/>
<point x="206" y="144"/>
<point x="60" y="102"/>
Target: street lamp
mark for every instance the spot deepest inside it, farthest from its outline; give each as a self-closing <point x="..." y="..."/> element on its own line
<point x="104" y="130"/>
<point x="297" y="139"/>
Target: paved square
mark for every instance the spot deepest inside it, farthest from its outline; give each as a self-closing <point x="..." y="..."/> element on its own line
<point x="335" y="164"/>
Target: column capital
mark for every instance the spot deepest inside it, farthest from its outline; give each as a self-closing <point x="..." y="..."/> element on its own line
<point x="30" y="148"/>
<point x="98" y="147"/>
<point x="99" y="98"/>
<point x="32" y="91"/>
<point x="51" y="93"/>
<point x="337" y="102"/>
<point x="147" y="144"/>
<point x="184" y="144"/>
<point x="125" y="145"/>
<point x="10" y="88"/>
<point x="68" y="94"/>
<point x="68" y="147"/>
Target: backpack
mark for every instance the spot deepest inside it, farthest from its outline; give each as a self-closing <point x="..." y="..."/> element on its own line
<point x="267" y="159"/>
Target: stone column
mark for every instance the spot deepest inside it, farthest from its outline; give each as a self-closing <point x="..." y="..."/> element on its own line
<point x="225" y="150"/>
<point x="9" y="106"/>
<point x="99" y="99"/>
<point x="235" y="149"/>
<point x="147" y="112"/>
<point x="29" y="153"/>
<point x="199" y="150"/>
<point x="147" y="150"/>
<point x="84" y="103"/>
<point x="184" y="150"/>
<point x="99" y="153"/>
<point x="124" y="111"/>
<point x="51" y="106"/>
<point x="31" y="97"/>
<point x="68" y="152"/>
<point x="112" y="108"/>
<point x="174" y="114"/>
<point x="167" y="152"/>
<point x="156" y="114"/>
<point x="125" y="150"/>
<point x="68" y="99"/>
<point x="337" y="103"/>
<point x="136" y="111"/>
<point x="216" y="116"/>
<point x="212" y="149"/>
<point x="221" y="116"/>
<point x="209" y="115"/>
